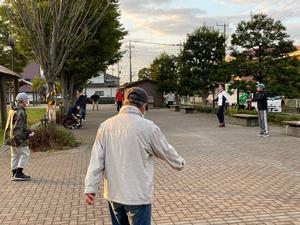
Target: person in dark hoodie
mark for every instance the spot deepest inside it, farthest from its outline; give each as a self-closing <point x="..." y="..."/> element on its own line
<point x="261" y="98"/>
<point x="16" y="134"/>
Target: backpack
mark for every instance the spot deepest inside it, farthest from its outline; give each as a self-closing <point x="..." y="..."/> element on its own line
<point x="9" y="125"/>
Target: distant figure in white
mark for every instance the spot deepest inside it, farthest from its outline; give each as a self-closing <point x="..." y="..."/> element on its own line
<point x="170" y="99"/>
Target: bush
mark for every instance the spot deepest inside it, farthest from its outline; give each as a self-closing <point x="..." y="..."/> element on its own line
<point x="206" y="109"/>
<point x="52" y="137"/>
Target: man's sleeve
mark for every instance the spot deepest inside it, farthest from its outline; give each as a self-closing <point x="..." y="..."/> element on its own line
<point x="163" y="150"/>
<point x="96" y="166"/>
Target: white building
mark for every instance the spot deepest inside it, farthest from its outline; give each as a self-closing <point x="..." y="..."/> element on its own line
<point x="104" y="85"/>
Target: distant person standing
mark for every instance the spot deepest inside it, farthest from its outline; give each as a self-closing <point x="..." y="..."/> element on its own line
<point x="82" y="101"/>
<point x="283" y="104"/>
<point x="51" y="106"/>
<point x="95" y="98"/>
<point x="119" y="99"/>
<point x="261" y="98"/>
<point x="170" y="99"/>
<point x="222" y="100"/>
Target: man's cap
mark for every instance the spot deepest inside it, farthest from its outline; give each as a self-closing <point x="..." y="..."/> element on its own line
<point x="21" y="97"/>
<point x="260" y="85"/>
<point x="137" y="94"/>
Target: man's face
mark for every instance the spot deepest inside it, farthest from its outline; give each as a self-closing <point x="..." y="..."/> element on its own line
<point x="25" y="103"/>
<point x="259" y="89"/>
<point x="221" y="88"/>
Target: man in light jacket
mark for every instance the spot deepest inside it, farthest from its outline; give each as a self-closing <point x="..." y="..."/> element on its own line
<point x="123" y="154"/>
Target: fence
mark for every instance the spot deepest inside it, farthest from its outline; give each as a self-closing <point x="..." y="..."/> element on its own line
<point x="292" y="105"/>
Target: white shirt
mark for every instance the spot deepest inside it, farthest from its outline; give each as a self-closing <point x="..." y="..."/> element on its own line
<point x="220" y="98"/>
<point x="123" y="153"/>
<point x="170" y="97"/>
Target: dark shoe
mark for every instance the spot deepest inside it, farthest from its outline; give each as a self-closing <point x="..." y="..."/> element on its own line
<point x="13" y="174"/>
<point x="20" y="176"/>
<point x="222" y="125"/>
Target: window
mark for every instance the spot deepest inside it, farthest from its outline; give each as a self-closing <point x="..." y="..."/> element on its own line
<point x="100" y="93"/>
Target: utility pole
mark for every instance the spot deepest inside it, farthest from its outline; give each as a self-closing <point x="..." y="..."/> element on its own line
<point x="130" y="61"/>
<point x="224" y="27"/>
<point x="118" y="72"/>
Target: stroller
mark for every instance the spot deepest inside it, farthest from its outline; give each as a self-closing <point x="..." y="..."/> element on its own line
<point x="73" y="119"/>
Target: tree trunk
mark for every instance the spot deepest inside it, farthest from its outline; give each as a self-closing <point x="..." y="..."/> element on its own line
<point x="204" y="96"/>
<point x="3" y="101"/>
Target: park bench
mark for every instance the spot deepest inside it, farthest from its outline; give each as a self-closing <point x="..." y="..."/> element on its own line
<point x="187" y="109"/>
<point x="292" y="128"/>
<point x="175" y="108"/>
<point x="246" y="120"/>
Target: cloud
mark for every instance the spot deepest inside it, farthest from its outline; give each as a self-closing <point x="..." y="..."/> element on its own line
<point x="163" y="21"/>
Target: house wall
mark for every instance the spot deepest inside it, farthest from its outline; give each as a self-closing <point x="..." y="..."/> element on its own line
<point x="108" y="92"/>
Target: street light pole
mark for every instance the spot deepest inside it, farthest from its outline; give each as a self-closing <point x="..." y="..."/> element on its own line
<point x="12" y="44"/>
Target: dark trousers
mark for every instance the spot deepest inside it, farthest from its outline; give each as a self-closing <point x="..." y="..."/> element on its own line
<point x="119" y="105"/>
<point x="221" y="115"/>
<point x="170" y="103"/>
<point x="83" y="112"/>
<point x="130" y="214"/>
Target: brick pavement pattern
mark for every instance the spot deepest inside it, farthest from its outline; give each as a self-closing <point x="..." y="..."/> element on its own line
<point x="231" y="177"/>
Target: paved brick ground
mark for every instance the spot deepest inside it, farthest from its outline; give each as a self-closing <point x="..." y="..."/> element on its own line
<point x="232" y="177"/>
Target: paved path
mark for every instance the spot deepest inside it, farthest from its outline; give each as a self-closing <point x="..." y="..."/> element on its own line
<point x="232" y="177"/>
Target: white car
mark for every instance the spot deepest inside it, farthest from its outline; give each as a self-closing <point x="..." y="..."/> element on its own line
<point x="274" y="104"/>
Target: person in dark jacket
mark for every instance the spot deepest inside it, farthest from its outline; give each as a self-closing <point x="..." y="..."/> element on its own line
<point x="261" y="98"/>
<point x="17" y="136"/>
<point x="82" y="101"/>
<point x="95" y="98"/>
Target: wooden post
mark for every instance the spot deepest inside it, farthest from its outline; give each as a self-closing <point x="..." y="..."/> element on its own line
<point x="16" y="85"/>
<point x="3" y="101"/>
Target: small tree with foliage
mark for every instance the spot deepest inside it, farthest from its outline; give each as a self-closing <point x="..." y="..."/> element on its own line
<point x="202" y="55"/>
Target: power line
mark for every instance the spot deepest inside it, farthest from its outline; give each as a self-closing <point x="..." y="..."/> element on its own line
<point x="156" y="43"/>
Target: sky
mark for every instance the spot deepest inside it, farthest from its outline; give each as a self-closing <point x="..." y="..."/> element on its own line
<point x="169" y="21"/>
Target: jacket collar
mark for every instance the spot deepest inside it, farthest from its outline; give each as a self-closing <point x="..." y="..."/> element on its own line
<point x="131" y="110"/>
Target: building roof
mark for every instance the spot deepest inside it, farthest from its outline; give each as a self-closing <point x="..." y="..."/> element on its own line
<point x="31" y="71"/>
<point x="105" y="85"/>
<point x="8" y="72"/>
<point x="25" y="88"/>
<point x="110" y="77"/>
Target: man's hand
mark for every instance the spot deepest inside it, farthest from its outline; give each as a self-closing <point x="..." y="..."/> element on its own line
<point x="89" y="198"/>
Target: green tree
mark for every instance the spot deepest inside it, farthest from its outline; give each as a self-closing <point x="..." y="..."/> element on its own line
<point x="95" y="55"/>
<point x="202" y="55"/>
<point x="164" y="70"/>
<point x="284" y="78"/>
<point x="257" y="43"/>
<point x="6" y="54"/>
<point x="55" y="30"/>
<point x="145" y="74"/>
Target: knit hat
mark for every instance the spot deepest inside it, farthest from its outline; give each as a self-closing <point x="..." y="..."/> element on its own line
<point x="137" y="95"/>
<point x="21" y="97"/>
<point x="260" y="85"/>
